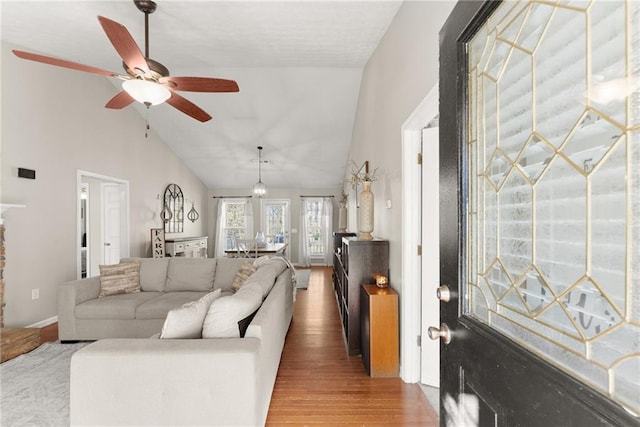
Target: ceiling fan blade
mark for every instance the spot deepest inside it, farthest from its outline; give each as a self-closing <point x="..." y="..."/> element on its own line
<point x="200" y="84"/>
<point x="119" y="101"/>
<point x="124" y="44"/>
<point x="62" y="63"/>
<point x="188" y="107"/>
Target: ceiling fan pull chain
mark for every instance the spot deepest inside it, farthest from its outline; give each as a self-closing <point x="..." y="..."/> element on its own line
<point x="146" y="120"/>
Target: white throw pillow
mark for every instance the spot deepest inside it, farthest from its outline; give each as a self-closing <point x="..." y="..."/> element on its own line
<point x="224" y="314"/>
<point x="186" y="321"/>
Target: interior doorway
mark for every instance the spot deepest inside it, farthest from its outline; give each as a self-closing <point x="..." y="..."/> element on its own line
<point x="419" y="357"/>
<point x="102" y="221"/>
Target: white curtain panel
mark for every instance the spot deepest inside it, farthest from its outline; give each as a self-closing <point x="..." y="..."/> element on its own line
<point x="248" y="219"/>
<point x="220" y="234"/>
<point x="304" y="258"/>
<point x="327" y="229"/>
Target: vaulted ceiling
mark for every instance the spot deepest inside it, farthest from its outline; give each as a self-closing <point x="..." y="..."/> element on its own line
<point x="298" y="65"/>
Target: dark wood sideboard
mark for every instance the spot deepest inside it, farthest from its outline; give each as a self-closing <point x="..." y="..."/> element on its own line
<point x="356" y="264"/>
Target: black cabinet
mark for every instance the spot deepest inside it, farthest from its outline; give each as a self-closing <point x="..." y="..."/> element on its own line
<point x="337" y="258"/>
<point x="356" y="264"/>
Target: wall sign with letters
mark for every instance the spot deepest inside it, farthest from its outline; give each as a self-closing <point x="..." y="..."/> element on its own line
<point x="157" y="242"/>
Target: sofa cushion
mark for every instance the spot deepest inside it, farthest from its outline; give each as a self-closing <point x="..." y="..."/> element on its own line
<point x="226" y="271"/>
<point x="123" y="278"/>
<point x="245" y="271"/>
<point x="121" y="306"/>
<point x="186" y="322"/>
<point x="266" y="275"/>
<point x="153" y="273"/>
<point x="190" y="274"/>
<point x="157" y="308"/>
<point x="263" y="260"/>
<point x="224" y="314"/>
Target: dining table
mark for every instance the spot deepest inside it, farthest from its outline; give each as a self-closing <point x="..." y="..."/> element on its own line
<point x="269" y="249"/>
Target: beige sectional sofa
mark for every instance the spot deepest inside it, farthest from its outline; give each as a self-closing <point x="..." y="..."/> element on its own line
<point x="166" y="283"/>
<point x="127" y="378"/>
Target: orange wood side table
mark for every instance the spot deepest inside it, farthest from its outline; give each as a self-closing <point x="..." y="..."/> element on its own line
<point x="379" y="331"/>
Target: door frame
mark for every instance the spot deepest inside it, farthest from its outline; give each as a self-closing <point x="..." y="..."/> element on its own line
<point x="410" y="298"/>
<point x="84" y="188"/>
<point x="430" y="233"/>
<point x="125" y="239"/>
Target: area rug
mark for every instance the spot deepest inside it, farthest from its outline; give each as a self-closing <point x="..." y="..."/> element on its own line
<point x="35" y="386"/>
<point x="302" y="278"/>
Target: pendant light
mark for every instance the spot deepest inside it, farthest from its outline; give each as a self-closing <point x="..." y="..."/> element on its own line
<point x="259" y="189"/>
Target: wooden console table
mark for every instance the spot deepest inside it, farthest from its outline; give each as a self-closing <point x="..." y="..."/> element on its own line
<point x="379" y="331"/>
<point x="190" y="247"/>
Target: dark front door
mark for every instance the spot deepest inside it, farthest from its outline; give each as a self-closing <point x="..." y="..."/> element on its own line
<point x="539" y="208"/>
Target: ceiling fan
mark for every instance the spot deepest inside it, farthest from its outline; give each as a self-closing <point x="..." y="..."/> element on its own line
<point x="147" y="81"/>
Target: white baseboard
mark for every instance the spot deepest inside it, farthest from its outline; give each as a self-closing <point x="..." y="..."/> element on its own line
<point x="45" y="322"/>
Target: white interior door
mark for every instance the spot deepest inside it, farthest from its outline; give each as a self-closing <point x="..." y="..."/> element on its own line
<point x="430" y="356"/>
<point x="111" y="224"/>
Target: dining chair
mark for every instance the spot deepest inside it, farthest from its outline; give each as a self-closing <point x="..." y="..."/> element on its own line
<point x="246" y="248"/>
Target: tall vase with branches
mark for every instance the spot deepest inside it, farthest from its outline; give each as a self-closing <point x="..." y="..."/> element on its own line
<point x="342" y="213"/>
<point x="362" y="176"/>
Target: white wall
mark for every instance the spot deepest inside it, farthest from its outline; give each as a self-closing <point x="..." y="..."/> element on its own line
<point x="54" y="121"/>
<point x="292" y="194"/>
<point x="397" y="77"/>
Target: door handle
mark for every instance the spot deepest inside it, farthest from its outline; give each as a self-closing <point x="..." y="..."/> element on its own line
<point x="444" y="333"/>
<point x="443" y="293"/>
<point x="107" y="244"/>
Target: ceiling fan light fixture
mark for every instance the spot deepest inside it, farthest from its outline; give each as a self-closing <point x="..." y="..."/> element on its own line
<point x="259" y="189"/>
<point x="146" y="92"/>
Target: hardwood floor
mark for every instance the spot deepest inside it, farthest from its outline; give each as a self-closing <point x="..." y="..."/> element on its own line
<point x="318" y="383"/>
<point x="49" y="333"/>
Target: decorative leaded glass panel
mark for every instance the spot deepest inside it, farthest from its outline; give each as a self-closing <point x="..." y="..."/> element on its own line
<point x="554" y="185"/>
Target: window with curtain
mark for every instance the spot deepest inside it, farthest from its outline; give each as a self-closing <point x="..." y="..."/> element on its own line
<point x="316" y="226"/>
<point x="235" y="221"/>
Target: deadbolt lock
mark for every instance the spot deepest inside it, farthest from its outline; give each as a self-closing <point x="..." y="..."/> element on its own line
<point x="443" y="293"/>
